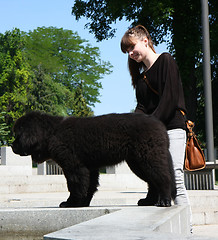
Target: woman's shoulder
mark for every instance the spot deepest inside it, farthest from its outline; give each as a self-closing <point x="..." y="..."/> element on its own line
<point x="166" y="55"/>
<point x="167" y="59"/>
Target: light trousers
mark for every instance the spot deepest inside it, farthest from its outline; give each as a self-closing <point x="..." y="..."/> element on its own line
<point x="177" y="139"/>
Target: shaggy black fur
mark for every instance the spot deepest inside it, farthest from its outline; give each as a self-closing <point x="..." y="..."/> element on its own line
<point x="80" y="146"/>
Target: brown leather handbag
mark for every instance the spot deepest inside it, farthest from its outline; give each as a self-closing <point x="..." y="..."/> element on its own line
<point x="194" y="157"/>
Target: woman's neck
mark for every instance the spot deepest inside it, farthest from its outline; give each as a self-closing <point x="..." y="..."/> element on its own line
<point x="150" y="58"/>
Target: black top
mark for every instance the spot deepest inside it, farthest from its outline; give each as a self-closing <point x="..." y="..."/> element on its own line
<point x="163" y="77"/>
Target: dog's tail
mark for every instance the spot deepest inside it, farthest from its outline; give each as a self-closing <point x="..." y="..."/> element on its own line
<point x="173" y="180"/>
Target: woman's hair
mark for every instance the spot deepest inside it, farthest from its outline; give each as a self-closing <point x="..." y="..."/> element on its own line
<point x="128" y="40"/>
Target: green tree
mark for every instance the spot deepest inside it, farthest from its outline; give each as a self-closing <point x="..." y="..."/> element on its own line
<point x="14" y="79"/>
<point x="68" y="60"/>
<point x="80" y="108"/>
<point x="4" y="131"/>
<point x="47" y="95"/>
<point x="176" y="22"/>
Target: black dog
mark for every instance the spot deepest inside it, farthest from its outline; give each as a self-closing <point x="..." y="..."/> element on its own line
<point x="80" y="146"/>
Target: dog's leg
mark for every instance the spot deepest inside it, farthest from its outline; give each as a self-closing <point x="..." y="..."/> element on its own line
<point x="142" y="173"/>
<point x="78" y="183"/>
<point x="76" y="174"/>
<point x="158" y="179"/>
<point x="93" y="186"/>
<point x="151" y="198"/>
<point x="162" y="180"/>
<point x="153" y="193"/>
<point x="164" y="193"/>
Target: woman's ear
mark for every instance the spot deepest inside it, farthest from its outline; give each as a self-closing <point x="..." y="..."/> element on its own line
<point x="145" y="40"/>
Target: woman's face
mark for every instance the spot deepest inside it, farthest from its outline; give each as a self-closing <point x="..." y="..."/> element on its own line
<point x="138" y="51"/>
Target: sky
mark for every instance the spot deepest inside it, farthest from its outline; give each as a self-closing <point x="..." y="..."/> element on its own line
<point x="117" y="95"/>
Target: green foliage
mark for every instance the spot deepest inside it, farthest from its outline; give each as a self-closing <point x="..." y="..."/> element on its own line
<point x="155" y="15"/>
<point x="67" y="59"/>
<point x="47" y="95"/>
<point x="4" y="131"/>
<point x="14" y="78"/>
<point x="176" y="22"/>
<point x="80" y="108"/>
<point x="48" y="69"/>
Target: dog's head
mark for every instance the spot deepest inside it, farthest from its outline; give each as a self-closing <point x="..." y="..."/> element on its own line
<point x="31" y="136"/>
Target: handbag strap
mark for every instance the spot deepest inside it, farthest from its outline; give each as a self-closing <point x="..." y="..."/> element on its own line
<point x="149" y="85"/>
<point x="190" y="126"/>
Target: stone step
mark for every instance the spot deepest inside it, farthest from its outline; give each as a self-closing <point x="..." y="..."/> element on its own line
<point x="201" y="199"/>
<point x="50" y="183"/>
<point x="32" y="184"/>
<point x="20" y="171"/>
<point x="204" y="205"/>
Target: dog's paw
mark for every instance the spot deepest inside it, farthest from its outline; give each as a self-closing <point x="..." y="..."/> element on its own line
<point x="66" y="205"/>
<point x="72" y="205"/>
<point x="146" y="202"/>
<point x="69" y="205"/>
<point x="164" y="203"/>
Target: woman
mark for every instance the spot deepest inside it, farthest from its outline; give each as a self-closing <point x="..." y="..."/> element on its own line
<point x="159" y="92"/>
